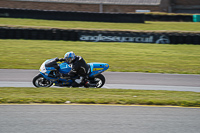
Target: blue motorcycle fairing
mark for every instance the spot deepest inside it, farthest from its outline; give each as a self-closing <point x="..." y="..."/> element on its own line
<point x="64" y="68"/>
<point x="97" y="68"/>
<point x="58" y="81"/>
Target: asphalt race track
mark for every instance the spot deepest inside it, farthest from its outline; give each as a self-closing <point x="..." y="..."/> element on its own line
<point x="121" y="80"/>
<point x="97" y="119"/>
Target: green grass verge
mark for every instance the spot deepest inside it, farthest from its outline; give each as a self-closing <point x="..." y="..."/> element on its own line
<point x="124" y="57"/>
<point x="98" y="96"/>
<point x="153" y="26"/>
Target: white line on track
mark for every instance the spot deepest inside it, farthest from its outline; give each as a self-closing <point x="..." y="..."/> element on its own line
<point x="113" y="86"/>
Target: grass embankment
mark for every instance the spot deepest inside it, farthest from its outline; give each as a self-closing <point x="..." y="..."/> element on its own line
<point x="148" y="25"/>
<point x="129" y="57"/>
<point x="99" y="96"/>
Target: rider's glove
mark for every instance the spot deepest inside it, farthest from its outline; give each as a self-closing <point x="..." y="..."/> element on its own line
<point x="61" y="59"/>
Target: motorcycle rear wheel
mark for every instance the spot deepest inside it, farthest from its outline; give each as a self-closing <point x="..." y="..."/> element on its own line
<point x="99" y="80"/>
<point x="40" y="81"/>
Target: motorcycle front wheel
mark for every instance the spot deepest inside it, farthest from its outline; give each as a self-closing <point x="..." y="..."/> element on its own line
<point x="40" y="81"/>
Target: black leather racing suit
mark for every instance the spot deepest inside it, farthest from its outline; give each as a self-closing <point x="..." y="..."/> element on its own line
<point x="79" y="67"/>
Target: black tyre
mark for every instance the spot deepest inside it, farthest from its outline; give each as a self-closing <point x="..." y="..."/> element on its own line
<point x="98" y="81"/>
<point x="40" y="81"/>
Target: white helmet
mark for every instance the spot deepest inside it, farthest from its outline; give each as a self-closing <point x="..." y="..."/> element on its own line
<point x="69" y="57"/>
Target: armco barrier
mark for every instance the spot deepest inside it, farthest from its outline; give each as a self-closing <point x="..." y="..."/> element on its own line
<point x="72" y="16"/>
<point x="99" y="36"/>
<point x="178" y="18"/>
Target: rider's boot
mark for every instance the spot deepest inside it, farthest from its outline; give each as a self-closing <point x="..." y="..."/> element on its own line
<point x="88" y="84"/>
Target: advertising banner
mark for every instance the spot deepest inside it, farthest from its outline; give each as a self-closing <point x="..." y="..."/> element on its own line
<point x="128" y="37"/>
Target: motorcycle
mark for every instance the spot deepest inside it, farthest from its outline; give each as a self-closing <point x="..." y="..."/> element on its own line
<point x="49" y="75"/>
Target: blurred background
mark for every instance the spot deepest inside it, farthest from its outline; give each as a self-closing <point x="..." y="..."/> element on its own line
<point x="119" y="6"/>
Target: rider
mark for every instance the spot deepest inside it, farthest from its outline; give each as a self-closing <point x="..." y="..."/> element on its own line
<point x="79" y="68"/>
